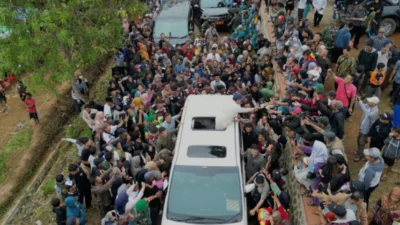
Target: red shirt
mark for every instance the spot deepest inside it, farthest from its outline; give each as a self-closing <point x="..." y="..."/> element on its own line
<point x="30" y="103"/>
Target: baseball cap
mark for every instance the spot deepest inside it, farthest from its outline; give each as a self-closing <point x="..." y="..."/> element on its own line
<point x="82" y="140"/>
<point x="319" y="87"/>
<point x="330" y="135"/>
<point x="254" y="146"/>
<point x="148" y="176"/>
<point x="98" y="161"/>
<point x="237" y="96"/>
<point x="297" y="110"/>
<point x="373" y="152"/>
<point x="374" y="100"/>
<point x="385" y="116"/>
<point x="338" y="210"/>
<point x="324" y="120"/>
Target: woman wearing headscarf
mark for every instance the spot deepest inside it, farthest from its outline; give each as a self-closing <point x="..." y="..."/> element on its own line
<point x="143" y="51"/>
<point x="387" y="209"/>
<point x="98" y="123"/>
<point x="75" y="209"/>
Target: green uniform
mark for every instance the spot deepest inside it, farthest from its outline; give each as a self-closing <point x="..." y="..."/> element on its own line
<point x="267" y="93"/>
<point x="346" y="65"/>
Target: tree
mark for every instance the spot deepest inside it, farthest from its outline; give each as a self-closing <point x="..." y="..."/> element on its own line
<point x="51" y="39"/>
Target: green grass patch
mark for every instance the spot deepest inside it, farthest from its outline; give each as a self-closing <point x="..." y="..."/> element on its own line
<point x="78" y="128"/>
<point x="101" y="86"/>
<point x="48" y="187"/>
<point x="18" y="142"/>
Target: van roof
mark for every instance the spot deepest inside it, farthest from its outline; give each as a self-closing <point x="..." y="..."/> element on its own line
<point x="174" y="9"/>
<point x="206" y="106"/>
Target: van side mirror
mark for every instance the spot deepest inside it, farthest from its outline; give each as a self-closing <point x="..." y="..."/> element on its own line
<point x="249" y="187"/>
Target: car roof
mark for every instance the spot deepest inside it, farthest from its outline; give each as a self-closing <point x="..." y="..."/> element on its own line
<point x="174" y="9"/>
<point x="206" y="106"/>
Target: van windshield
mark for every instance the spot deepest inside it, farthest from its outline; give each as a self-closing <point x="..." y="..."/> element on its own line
<point x="178" y="28"/>
<point x="212" y="4"/>
<point x="206" y="194"/>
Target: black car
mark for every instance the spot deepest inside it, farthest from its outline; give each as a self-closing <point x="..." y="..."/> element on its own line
<point x="175" y="20"/>
<point x="390" y="13"/>
<point x="216" y="11"/>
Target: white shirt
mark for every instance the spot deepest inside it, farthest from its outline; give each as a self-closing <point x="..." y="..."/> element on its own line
<point x="215" y="83"/>
<point x="217" y="57"/>
<point x="319" y="6"/>
<point x="108" y="137"/>
<point x="228" y="114"/>
<point x="301" y="4"/>
<point x="383" y="59"/>
<point x="107" y="111"/>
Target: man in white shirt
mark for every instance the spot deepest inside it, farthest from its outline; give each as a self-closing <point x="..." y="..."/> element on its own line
<point x="216" y="82"/>
<point x="213" y="55"/>
<point x="108" y="108"/>
<point x="230" y="111"/>
<point x="109" y="136"/>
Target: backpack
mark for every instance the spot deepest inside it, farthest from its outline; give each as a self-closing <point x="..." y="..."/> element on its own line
<point x="328" y="36"/>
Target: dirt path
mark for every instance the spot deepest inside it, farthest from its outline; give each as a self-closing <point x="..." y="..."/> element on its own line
<point x="13" y="117"/>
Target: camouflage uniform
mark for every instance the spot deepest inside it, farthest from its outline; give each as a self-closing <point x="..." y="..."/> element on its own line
<point x="328" y="37"/>
<point x="345" y="65"/>
<point x="143" y="217"/>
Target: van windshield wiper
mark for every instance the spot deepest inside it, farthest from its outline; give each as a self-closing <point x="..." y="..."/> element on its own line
<point x="178" y="37"/>
<point x="203" y="219"/>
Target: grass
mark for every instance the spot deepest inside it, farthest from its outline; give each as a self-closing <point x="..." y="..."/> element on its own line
<point x="18" y="142"/>
<point x="77" y="128"/>
<point x="101" y="86"/>
<point x="48" y="187"/>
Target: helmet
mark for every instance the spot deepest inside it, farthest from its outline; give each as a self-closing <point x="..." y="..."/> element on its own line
<point x="281" y="18"/>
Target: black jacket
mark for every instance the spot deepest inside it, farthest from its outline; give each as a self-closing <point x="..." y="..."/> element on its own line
<point x="248" y="139"/>
<point x="379" y="132"/>
<point x="336" y="119"/>
<point x="81" y="180"/>
<point x="368" y="59"/>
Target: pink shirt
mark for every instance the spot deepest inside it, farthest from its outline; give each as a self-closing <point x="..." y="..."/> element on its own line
<point x="345" y="92"/>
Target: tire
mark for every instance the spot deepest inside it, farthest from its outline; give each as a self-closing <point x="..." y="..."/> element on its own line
<point x="389" y="25"/>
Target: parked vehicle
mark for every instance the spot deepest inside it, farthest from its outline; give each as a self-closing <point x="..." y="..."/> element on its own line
<point x="390" y="14"/>
<point x="216" y="11"/>
<point x="175" y="20"/>
<point x="209" y="165"/>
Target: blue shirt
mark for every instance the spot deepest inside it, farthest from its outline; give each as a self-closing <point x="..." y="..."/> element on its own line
<point x="343" y="38"/>
<point x="396" y="77"/>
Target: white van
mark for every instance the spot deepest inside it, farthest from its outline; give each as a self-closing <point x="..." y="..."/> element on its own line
<point x="207" y="180"/>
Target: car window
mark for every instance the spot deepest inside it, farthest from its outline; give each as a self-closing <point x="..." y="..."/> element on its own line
<point x="212" y="4"/>
<point x="191" y="185"/>
<point x="178" y="28"/>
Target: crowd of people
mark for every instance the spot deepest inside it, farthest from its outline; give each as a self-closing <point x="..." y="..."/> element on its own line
<point x="125" y="164"/>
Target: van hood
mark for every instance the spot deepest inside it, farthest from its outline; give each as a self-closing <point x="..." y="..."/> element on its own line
<point x="173" y="41"/>
<point x="215" y="11"/>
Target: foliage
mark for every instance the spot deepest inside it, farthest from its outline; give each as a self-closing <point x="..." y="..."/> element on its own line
<point x="48" y="187"/>
<point x="53" y="39"/>
<point x="101" y="86"/>
<point x="19" y="142"/>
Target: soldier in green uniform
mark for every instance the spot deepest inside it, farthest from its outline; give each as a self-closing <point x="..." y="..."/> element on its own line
<point x="345" y="63"/>
<point x="142" y="213"/>
<point x="328" y="37"/>
<point x="205" y="25"/>
<point x="267" y="91"/>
